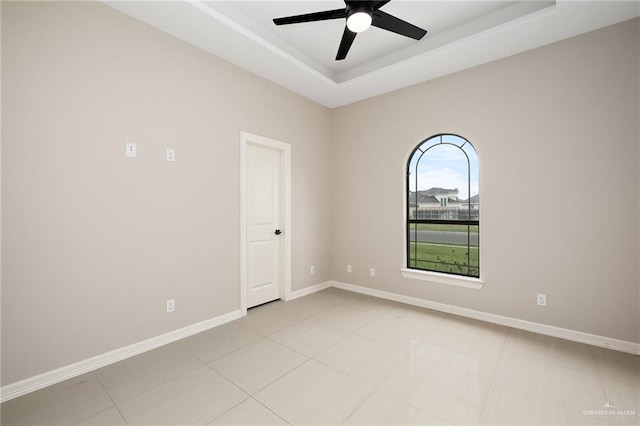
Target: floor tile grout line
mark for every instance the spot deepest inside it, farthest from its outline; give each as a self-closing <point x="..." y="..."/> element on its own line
<point x="445" y="316"/>
<point x="226" y="411"/>
<point x="493" y="374"/>
<point x="347" y="334"/>
<point x="335" y="373"/>
<point x="162" y="382"/>
<point x="353" y="331"/>
<point x="271" y="382"/>
<point x="226" y="353"/>
<point x="547" y="359"/>
<point x="411" y="404"/>
<point x="279" y="416"/>
<point x="284" y="307"/>
<point x="288" y="372"/>
<point x="600" y="378"/>
<point x="368" y="395"/>
<point x="373" y="388"/>
<point x="196" y="356"/>
<point x="248" y="395"/>
<point x="386" y="347"/>
<point x="376" y="387"/>
<point x="344" y="333"/>
<point x="308" y="318"/>
<point x="381" y="343"/>
<point x="519" y="390"/>
<point x="285" y="374"/>
<point x="275" y="331"/>
<point x="112" y="400"/>
<point x="153" y="388"/>
<point x="388" y="395"/>
<point x="556" y="404"/>
<point x="288" y="347"/>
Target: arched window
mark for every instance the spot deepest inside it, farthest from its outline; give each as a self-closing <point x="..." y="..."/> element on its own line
<point x="443" y="207"/>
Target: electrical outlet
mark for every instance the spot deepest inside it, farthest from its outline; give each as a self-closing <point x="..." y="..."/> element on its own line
<point x="348" y="268"/>
<point x="312" y="270"/>
<point x="171" y="305"/>
<point x="171" y="155"/>
<point x="372" y="272"/>
<point x="541" y="299"/>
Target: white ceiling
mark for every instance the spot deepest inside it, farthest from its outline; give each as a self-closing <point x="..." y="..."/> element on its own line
<point x="461" y="34"/>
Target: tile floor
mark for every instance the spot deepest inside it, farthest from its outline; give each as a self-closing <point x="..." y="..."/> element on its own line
<point x="336" y="357"/>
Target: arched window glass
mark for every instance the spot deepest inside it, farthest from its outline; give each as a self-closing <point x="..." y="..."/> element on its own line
<point x="443" y="207"/>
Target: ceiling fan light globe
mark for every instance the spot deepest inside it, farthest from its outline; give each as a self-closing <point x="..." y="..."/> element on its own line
<point x="358" y="22"/>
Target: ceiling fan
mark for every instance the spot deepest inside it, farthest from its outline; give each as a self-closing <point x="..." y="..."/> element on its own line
<point x="360" y="16"/>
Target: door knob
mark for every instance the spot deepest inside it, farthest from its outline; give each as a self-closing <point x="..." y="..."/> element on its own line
<point x="278" y="232"/>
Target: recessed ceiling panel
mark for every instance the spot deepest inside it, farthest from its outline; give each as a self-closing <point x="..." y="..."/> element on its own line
<point x="300" y="57"/>
<point x="317" y="42"/>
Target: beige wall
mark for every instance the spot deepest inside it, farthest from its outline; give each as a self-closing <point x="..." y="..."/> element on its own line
<point x="555" y="129"/>
<point x="94" y="242"/>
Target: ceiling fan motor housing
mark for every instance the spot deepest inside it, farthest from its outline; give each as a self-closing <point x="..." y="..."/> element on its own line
<point x="360" y="15"/>
<point x="359" y="6"/>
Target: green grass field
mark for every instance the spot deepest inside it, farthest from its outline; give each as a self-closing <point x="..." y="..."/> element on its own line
<point x="443" y="258"/>
<point x="447" y="228"/>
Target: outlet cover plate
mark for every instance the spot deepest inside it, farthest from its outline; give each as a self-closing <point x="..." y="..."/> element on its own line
<point x="541" y="299"/>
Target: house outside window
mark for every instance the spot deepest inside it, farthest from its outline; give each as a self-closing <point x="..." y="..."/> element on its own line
<point x="443" y="207"/>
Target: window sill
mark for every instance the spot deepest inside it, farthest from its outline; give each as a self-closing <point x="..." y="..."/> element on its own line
<point x="458" y="281"/>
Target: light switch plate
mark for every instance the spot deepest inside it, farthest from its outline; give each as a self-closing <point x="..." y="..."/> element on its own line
<point x="131" y="149"/>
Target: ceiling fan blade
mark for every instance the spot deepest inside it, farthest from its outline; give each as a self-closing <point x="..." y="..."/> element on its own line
<point x="395" y="25"/>
<point x="311" y="17"/>
<point x="345" y="44"/>
<point x="378" y="4"/>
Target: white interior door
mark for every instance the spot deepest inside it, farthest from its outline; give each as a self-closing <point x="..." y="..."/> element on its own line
<point x="264" y="221"/>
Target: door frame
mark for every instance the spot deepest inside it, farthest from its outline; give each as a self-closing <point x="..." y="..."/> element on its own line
<point x="284" y="148"/>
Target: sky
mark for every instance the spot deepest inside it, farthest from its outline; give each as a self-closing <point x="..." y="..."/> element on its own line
<point x="445" y="166"/>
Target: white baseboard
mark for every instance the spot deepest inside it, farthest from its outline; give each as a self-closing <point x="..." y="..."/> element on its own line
<point x="58" y="375"/>
<point x="49" y="378"/>
<point x="309" y="290"/>
<point x="549" y="330"/>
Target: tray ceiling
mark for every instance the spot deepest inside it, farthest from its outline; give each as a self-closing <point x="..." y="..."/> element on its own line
<point x="461" y="34"/>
